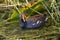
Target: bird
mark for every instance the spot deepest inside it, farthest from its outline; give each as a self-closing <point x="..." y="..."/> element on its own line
<point x="32" y="22"/>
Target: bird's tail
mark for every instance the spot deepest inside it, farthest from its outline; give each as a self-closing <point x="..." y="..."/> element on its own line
<point x="45" y="16"/>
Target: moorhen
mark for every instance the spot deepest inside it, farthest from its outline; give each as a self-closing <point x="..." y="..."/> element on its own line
<point x="32" y="22"/>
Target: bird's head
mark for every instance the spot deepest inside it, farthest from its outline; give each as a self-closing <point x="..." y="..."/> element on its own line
<point x="22" y="20"/>
<point x="23" y="17"/>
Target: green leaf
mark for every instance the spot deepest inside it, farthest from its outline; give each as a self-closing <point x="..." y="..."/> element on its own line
<point x="14" y="14"/>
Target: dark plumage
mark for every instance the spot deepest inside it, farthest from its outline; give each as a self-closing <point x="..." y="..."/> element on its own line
<point x="32" y="22"/>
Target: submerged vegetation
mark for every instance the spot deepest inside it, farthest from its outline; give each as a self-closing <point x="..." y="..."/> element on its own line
<point x="10" y="23"/>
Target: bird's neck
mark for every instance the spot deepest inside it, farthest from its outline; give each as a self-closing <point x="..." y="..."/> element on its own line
<point x="25" y="24"/>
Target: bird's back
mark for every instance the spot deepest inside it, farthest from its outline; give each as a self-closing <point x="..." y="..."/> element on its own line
<point x="35" y="18"/>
